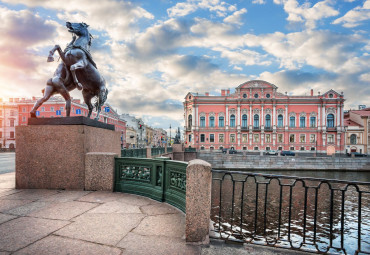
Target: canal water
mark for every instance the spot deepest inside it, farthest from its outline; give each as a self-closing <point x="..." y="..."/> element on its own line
<point x="308" y="215"/>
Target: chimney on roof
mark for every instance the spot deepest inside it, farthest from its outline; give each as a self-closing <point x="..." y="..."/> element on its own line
<point x="207" y="94"/>
<point x="311" y="92"/>
<point x="223" y="92"/>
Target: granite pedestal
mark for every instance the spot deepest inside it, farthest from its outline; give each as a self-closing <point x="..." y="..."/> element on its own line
<point x="51" y="152"/>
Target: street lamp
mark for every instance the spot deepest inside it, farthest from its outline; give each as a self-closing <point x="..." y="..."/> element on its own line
<point x="170" y="135"/>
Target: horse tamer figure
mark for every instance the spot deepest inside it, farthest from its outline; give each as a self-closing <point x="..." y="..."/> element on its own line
<point x="77" y="69"/>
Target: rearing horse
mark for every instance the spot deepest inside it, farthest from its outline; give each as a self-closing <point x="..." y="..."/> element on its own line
<point x="77" y="59"/>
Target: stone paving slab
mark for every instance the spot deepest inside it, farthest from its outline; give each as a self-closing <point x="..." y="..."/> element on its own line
<point x="100" y="197"/>
<point x="32" y="194"/>
<point x="20" y="232"/>
<point x="66" y="196"/>
<point x="5" y="192"/>
<point x="159" y="208"/>
<point x="28" y="208"/>
<point x="171" y="225"/>
<point x="6" y="204"/>
<point x="116" y="207"/>
<point x="6" y="217"/>
<point x="64" y="211"/>
<point x="159" y="245"/>
<point x="101" y="228"/>
<point x="52" y="245"/>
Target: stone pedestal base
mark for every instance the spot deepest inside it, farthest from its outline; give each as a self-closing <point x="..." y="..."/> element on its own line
<point x="53" y="156"/>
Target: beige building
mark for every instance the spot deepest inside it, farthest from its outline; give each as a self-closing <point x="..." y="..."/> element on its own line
<point x="8" y="122"/>
<point x="131" y="138"/>
<point x="357" y="124"/>
<point x="149" y="136"/>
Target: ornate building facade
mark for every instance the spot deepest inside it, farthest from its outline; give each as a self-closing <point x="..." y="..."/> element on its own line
<point x="258" y="118"/>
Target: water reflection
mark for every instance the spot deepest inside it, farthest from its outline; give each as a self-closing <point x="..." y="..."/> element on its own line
<point x="302" y="214"/>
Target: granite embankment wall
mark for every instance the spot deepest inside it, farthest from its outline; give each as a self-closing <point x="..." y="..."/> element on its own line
<point x="220" y="160"/>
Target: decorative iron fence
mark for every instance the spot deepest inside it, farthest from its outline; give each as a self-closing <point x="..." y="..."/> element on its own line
<point x="169" y="150"/>
<point x="309" y="214"/>
<point x="134" y="153"/>
<point x="190" y="149"/>
<point x="159" y="179"/>
<point x="157" y="151"/>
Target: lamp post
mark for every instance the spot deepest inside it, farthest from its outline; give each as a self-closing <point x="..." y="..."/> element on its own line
<point x="170" y="135"/>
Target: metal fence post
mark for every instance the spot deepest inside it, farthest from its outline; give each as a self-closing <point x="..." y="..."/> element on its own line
<point x="198" y="201"/>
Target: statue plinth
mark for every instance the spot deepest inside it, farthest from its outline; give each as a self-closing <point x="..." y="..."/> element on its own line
<point x="50" y="152"/>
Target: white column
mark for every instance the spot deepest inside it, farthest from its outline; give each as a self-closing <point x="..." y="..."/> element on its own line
<point x="274" y="116"/>
<point x="323" y="116"/>
<point x="227" y="116"/>
<point x="318" y="122"/>
<point x="262" y="117"/>
<point x="338" y="115"/>
<point x="250" y="115"/>
<point x="286" y="116"/>
<point x="193" y="117"/>
<point x="342" y="115"/>
<point x="238" y="117"/>
<point x="196" y="116"/>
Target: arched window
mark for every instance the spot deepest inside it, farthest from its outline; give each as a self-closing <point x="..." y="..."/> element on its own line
<point x="330" y="121"/>
<point x="232" y="120"/>
<point x="221" y="121"/>
<point x="268" y="120"/>
<point x="292" y="121"/>
<point x="244" y="120"/>
<point x="302" y="122"/>
<point x="353" y="139"/>
<point x="190" y="120"/>
<point x="280" y="120"/>
<point x="211" y="121"/>
<point x="256" y="120"/>
<point x="202" y="121"/>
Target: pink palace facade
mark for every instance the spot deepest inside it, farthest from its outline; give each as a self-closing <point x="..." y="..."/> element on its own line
<point x="259" y="118"/>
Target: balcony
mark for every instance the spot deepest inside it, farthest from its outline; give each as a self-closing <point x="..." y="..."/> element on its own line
<point x="268" y="129"/>
<point x="245" y="129"/>
<point x="331" y="129"/>
<point x="256" y="128"/>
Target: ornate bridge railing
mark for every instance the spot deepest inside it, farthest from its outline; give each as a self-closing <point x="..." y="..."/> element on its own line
<point x="159" y="179"/>
<point x="134" y="153"/>
<point x="157" y="151"/>
<point x="309" y="214"/>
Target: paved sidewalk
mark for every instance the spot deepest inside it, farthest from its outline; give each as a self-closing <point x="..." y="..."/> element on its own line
<point x="83" y="222"/>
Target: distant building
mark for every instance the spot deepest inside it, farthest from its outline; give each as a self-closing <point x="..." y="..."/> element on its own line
<point x="160" y="137"/>
<point x="357" y="124"/>
<point x="17" y="112"/>
<point x="138" y="125"/>
<point x="257" y="117"/>
<point x="131" y="141"/>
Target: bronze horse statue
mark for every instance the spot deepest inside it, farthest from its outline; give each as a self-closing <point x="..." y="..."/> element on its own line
<point x="77" y="69"/>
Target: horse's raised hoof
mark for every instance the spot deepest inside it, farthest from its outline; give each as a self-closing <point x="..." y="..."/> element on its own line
<point x="50" y="59"/>
<point x="33" y="115"/>
<point x="79" y="86"/>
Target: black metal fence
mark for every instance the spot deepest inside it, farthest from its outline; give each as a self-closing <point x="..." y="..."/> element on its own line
<point x="309" y="214"/>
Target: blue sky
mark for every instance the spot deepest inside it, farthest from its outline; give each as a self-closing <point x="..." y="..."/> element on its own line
<point x="153" y="52"/>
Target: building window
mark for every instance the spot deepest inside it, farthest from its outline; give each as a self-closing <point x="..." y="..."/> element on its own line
<point x="353" y="139"/>
<point x="221" y="138"/>
<point x="12" y="113"/>
<point x="202" y="138"/>
<point x="24" y="118"/>
<point x="202" y="121"/>
<point x="189" y="138"/>
<point x="24" y="109"/>
<point x="330" y="121"/>
<point x="312" y="138"/>
<point x="244" y="95"/>
<point x="331" y="95"/>
<point x="330" y="138"/>
<point x="268" y="120"/>
<point x="280" y="148"/>
<point x="256" y="138"/>
<point x="313" y="122"/>
<point x="292" y="121"/>
<point x="52" y="109"/>
<point x="256" y="148"/>
<point x="232" y="138"/>
<point x="245" y="138"/>
<point x="255" y="95"/>
<point x="280" y="138"/>
<point x="232" y="120"/>
<point x="256" y="120"/>
<point x="302" y="138"/>
<point x="11" y="134"/>
<point x="291" y="138"/>
<point x="244" y="120"/>
<point x="302" y="148"/>
<point x="211" y="138"/>
<point x="280" y="120"/>
<point x="212" y="121"/>
<point x="42" y="109"/>
<point x="313" y="149"/>
<point x="62" y="108"/>
<point x="302" y="122"/>
<point x="268" y="138"/>
<point x="12" y="123"/>
<point x="221" y="121"/>
<point x="244" y="148"/>
<point x="268" y="148"/>
<point x="190" y="120"/>
<point x="291" y="148"/>
<point x="268" y="95"/>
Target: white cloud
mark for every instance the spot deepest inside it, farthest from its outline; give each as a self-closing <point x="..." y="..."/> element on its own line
<point x="354" y="17"/>
<point x="305" y="13"/>
<point x="190" y="6"/>
<point x="236" y="17"/>
<point x="258" y="2"/>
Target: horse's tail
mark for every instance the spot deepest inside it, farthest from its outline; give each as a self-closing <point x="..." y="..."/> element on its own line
<point x="101" y="101"/>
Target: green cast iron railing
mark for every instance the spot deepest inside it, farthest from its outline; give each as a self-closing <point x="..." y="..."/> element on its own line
<point x="157" y="151"/>
<point x="190" y="149"/>
<point x="169" y="149"/>
<point x="160" y="179"/>
<point x="134" y="153"/>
